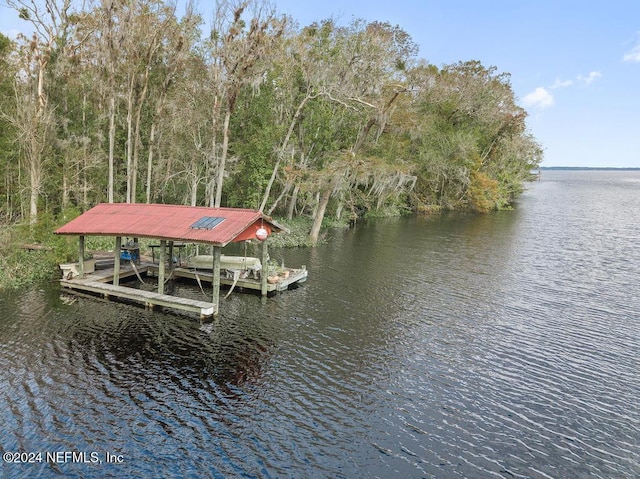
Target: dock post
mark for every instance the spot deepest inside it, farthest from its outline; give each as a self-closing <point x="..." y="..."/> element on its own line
<point x="265" y="269"/>
<point x="170" y="258"/>
<point x="116" y="262"/>
<point x="215" y="280"/>
<point x="161" y="262"/>
<point x="81" y="256"/>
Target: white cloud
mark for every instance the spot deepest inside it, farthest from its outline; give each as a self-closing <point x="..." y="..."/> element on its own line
<point x="541" y="97"/>
<point x="590" y="78"/>
<point x="633" y="55"/>
<point x="561" y="84"/>
<point x="538" y="98"/>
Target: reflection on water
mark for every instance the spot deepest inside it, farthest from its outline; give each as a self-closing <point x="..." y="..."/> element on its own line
<point x="503" y="345"/>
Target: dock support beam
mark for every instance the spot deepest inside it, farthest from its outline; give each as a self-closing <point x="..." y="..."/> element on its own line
<point x="81" y="257"/>
<point x="116" y="261"/>
<point x="161" y="264"/>
<point x="265" y="269"/>
<point x="170" y="258"/>
<point x="216" y="279"/>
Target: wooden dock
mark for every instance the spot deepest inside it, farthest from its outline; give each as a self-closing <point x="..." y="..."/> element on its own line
<point x="295" y="276"/>
<point x="147" y="298"/>
<point x="99" y="282"/>
<point x="172" y="226"/>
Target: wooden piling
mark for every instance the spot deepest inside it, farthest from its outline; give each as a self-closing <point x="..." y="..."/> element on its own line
<point x="81" y="256"/>
<point x="216" y="279"/>
<point x="116" y="261"/>
<point x="161" y="265"/>
<point x="170" y="258"/>
<point x="265" y="269"/>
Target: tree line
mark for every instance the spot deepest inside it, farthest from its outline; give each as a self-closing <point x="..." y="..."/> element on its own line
<point x="134" y="101"/>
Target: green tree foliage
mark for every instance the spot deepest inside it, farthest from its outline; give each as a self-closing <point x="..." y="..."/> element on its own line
<point x="9" y="207"/>
<point x="250" y="111"/>
<point x="474" y="150"/>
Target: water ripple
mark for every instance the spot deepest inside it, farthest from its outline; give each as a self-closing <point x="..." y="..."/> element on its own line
<point x="500" y="345"/>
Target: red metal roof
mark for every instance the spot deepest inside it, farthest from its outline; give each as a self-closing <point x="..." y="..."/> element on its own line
<point x="169" y="222"/>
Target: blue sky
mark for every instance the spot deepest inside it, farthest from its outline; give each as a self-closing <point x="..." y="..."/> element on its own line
<point x="574" y="65"/>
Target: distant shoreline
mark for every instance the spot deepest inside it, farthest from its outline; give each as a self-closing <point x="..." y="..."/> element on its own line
<point x="605" y="168"/>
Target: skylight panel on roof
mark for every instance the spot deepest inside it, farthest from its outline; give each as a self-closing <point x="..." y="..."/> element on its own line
<point x="207" y="223"/>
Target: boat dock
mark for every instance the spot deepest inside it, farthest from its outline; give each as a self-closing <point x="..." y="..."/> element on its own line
<point x="172" y="226"/>
<point x="100" y="282"/>
<point x="234" y="279"/>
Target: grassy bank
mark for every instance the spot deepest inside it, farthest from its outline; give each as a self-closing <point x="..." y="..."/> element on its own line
<point x="30" y="254"/>
<point x="299" y="228"/>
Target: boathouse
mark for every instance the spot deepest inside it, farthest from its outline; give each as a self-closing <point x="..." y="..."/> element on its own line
<point x="168" y="224"/>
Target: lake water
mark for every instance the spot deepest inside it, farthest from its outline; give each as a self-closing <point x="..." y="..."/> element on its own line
<point x="504" y="345"/>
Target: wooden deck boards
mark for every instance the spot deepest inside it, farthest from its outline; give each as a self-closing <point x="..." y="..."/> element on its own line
<point x="148" y="298"/>
<point x="106" y="275"/>
<point x="295" y="276"/>
<point x="100" y="282"/>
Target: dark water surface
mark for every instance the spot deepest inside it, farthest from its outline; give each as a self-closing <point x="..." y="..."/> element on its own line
<point x="504" y="345"/>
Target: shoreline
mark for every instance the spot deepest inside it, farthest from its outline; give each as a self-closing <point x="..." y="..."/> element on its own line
<point x="27" y="257"/>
